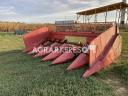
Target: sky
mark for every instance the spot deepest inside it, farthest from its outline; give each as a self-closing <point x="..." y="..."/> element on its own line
<point x="45" y="11"/>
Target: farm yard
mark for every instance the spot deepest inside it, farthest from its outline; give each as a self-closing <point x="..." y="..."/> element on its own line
<point x="21" y="75"/>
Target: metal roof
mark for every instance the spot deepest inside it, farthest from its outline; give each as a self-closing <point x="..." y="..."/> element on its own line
<point x="112" y="7"/>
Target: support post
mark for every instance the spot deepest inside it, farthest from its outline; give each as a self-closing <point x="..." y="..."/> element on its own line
<point x="95" y="20"/>
<point x="106" y="15"/>
<point x="78" y="16"/>
<point x="123" y="11"/>
<point x="116" y="16"/>
<point x="126" y="26"/>
<point x="83" y="19"/>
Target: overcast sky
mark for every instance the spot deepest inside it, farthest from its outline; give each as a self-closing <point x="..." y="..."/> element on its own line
<point x="42" y="11"/>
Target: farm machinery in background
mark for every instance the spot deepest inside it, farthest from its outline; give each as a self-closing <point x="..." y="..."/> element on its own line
<point x="95" y="44"/>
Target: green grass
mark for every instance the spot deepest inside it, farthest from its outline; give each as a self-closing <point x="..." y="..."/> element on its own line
<point x="21" y="75"/>
<point x="121" y="69"/>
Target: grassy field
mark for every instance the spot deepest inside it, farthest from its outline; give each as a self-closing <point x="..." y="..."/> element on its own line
<point x="21" y="75"/>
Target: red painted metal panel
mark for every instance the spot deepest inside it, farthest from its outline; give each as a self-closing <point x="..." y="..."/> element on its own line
<point x="35" y="38"/>
<point x="100" y="43"/>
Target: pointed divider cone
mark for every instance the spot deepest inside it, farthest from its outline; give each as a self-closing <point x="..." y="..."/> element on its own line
<point x="35" y="50"/>
<point x="79" y="62"/>
<point x="64" y="58"/>
<point x="93" y="69"/>
<point x="38" y="54"/>
<point x="31" y="52"/>
<point x="52" y="56"/>
<point x="42" y="53"/>
<point x="48" y="51"/>
<point x="55" y="45"/>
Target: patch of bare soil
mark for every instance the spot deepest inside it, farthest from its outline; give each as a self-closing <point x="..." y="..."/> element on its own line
<point x="120" y="89"/>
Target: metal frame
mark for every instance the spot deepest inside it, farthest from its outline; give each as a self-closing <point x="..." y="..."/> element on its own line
<point x="87" y="18"/>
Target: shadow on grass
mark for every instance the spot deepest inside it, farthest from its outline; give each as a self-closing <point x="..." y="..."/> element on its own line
<point x="10" y="52"/>
<point x="17" y="57"/>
